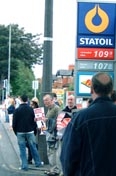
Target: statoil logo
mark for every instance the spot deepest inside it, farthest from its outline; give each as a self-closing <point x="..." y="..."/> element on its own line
<point x="96" y="18"/>
<point x="98" y="12"/>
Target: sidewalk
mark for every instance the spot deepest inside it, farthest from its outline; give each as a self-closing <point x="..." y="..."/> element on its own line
<point x="13" y="139"/>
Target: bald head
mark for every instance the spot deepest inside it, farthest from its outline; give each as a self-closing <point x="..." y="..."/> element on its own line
<point x="71" y="101"/>
<point x="102" y="84"/>
<point x="103" y="78"/>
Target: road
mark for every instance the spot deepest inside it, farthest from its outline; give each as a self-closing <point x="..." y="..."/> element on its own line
<point x="9" y="155"/>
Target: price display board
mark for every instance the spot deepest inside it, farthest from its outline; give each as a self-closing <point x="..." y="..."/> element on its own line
<point x="95" y="53"/>
<point x="94" y="65"/>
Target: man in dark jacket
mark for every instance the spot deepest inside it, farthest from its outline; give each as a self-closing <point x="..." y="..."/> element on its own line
<point x="24" y="127"/>
<point x="89" y="147"/>
<point x="70" y="107"/>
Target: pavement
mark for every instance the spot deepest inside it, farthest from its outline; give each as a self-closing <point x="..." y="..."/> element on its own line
<point x="33" y="171"/>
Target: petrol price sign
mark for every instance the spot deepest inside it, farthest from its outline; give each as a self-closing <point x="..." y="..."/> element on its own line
<point x="95" y="53"/>
<point x="94" y="65"/>
<point x="95" y="43"/>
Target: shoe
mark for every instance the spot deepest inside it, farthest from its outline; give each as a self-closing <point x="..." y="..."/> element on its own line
<point x="51" y="173"/>
<point x="61" y="174"/>
<point x="46" y="171"/>
<point x="40" y="165"/>
<point x="24" y="169"/>
<point x="30" y="162"/>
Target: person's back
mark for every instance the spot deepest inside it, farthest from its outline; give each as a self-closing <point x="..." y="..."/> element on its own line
<point x="24" y="126"/>
<point x="97" y="125"/>
<point x="25" y="118"/>
<point x="89" y="147"/>
<point x="113" y="96"/>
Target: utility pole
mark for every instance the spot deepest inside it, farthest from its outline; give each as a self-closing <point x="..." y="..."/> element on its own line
<point x="47" y="69"/>
<point x="9" y="60"/>
<point x="47" y="55"/>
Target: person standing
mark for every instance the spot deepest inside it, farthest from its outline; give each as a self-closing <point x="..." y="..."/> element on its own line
<point x="51" y="116"/>
<point x="17" y="101"/>
<point x="63" y="119"/>
<point x="65" y="116"/>
<point x="34" y="104"/>
<point x="70" y="105"/>
<point x="11" y="110"/>
<point x="24" y="127"/>
<point x="6" y="105"/>
<point x="89" y="146"/>
<point x="55" y="98"/>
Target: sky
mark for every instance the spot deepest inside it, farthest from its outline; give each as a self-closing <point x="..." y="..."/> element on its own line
<point x="30" y="15"/>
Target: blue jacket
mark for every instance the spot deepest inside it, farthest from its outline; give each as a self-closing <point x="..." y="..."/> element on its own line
<point x="11" y="109"/>
<point x="89" y="142"/>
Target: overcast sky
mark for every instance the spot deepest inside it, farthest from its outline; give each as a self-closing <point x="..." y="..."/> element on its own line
<point x="30" y="15"/>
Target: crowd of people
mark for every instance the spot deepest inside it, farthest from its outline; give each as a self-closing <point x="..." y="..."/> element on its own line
<point x="19" y="113"/>
<point x="79" y="142"/>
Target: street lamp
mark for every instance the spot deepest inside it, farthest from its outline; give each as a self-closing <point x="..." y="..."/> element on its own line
<point x="9" y="60"/>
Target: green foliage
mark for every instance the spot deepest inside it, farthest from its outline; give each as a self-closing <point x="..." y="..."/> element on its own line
<point x="71" y="87"/>
<point x="26" y="51"/>
<point x="22" y="83"/>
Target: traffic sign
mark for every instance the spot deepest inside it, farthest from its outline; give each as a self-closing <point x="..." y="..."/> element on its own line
<point x="35" y="85"/>
<point x="94" y="65"/>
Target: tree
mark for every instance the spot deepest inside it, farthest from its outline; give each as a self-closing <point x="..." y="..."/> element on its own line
<point x="25" y="47"/>
<point x="22" y="83"/>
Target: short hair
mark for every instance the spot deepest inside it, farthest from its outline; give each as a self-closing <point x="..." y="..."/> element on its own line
<point x="48" y="96"/>
<point x="24" y="98"/>
<point x="102" y="83"/>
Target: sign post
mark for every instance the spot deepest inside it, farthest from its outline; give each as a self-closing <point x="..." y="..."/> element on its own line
<point x="35" y="86"/>
<point x="95" y="43"/>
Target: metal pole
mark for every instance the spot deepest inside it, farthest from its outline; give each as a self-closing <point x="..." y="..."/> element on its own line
<point x="47" y="55"/>
<point x="9" y="60"/>
<point x="35" y="92"/>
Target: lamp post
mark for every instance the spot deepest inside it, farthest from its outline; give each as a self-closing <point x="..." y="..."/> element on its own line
<point x="9" y="60"/>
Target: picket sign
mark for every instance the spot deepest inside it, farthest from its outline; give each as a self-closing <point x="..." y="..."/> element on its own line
<point x="40" y="118"/>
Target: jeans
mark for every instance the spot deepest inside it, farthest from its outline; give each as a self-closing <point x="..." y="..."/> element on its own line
<point x="29" y="152"/>
<point x="30" y="138"/>
<point x="6" y="117"/>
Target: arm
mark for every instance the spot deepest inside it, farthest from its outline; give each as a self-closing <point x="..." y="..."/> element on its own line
<point x="14" y="122"/>
<point x="71" y="148"/>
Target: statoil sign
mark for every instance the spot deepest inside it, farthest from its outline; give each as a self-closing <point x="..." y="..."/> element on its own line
<point x="96" y="31"/>
<point x="95" y="40"/>
<point x="96" y="18"/>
